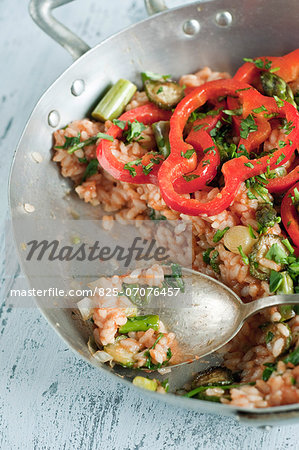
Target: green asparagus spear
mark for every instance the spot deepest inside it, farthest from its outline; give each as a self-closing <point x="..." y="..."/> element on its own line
<point x="114" y="102"/>
<point x="140" y="323"/>
<point x="274" y="85"/>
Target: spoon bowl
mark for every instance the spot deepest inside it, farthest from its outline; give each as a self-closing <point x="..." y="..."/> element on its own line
<point x="209" y="314"/>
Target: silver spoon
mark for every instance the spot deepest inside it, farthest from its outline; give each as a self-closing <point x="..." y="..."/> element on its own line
<point x="209" y="314"/>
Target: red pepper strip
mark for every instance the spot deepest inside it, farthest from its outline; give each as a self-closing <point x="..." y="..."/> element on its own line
<point x="257" y="137"/>
<point x="189" y="89"/>
<point x="288" y="68"/>
<point x="147" y="114"/>
<point x="290" y="217"/>
<point x="236" y="170"/>
<point x="282" y="184"/>
<point x="200" y="141"/>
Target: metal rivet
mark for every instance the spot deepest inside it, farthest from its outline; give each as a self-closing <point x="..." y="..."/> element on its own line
<point x="53" y="118"/>
<point x="191" y="27"/>
<point x="224" y="19"/>
<point x="78" y="87"/>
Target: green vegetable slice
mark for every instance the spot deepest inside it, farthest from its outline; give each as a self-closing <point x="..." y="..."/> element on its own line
<point x="145" y="383"/>
<point x="213" y="375"/>
<point x="161" y="133"/>
<point x="166" y="94"/>
<point x="140" y="323"/>
<point x="274" y="86"/>
<point x="114" y="102"/>
<point x="260" y="250"/>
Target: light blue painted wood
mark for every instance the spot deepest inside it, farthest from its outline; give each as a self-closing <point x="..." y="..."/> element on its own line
<point x="50" y="399"/>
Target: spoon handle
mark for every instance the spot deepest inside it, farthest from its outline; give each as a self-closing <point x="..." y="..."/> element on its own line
<point x="265" y="302"/>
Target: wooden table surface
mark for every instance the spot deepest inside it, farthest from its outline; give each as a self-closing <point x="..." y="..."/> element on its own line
<point x="49" y="398"/>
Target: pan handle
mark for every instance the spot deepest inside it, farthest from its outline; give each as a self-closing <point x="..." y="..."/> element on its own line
<point x="155" y="6"/>
<point x="41" y="13"/>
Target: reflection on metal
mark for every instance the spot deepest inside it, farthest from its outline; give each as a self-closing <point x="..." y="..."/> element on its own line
<point x="224" y="19"/>
<point x="191" y="27"/>
<point x="78" y="87"/>
<point x="53" y="118"/>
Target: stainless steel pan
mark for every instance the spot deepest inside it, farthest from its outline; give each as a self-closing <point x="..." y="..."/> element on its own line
<point x="216" y="33"/>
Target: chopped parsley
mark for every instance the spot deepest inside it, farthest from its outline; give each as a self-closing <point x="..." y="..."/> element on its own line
<point x="242" y="151"/>
<point x="282" y="144"/>
<point x="149" y="167"/>
<point x="287" y="126"/>
<point x="269" y="337"/>
<point x="259" y="110"/>
<point x="70" y="142"/>
<point x="245" y="258"/>
<point x="149" y="364"/>
<point x="281" y="158"/>
<point x="210" y="150"/>
<point x="129" y="166"/>
<point x="279" y="102"/>
<point x="73" y="144"/>
<point x="188" y="153"/>
<point x="293" y="357"/>
<point x="190" y="177"/>
<point x="91" y="169"/>
<point x="274" y="69"/>
<point x="251" y="195"/>
<point x="200" y="126"/>
<point x="210" y="257"/>
<point x="295" y="197"/>
<point x="83" y="160"/>
<point x="249" y="164"/>
<point x="155" y="215"/>
<point x="251" y="232"/>
<point x="165" y="384"/>
<point x="120" y="123"/>
<point x="276" y="279"/>
<point x="146" y="169"/>
<point x="277" y="253"/>
<point x="255" y="186"/>
<point x="270" y="368"/>
<point x="219" y="234"/>
<point x="259" y="63"/>
<point x="214" y="131"/>
<point x="243" y="89"/>
<point x="134" y="131"/>
<point x="248" y="125"/>
<point x="195" y="115"/>
<point x="233" y="112"/>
